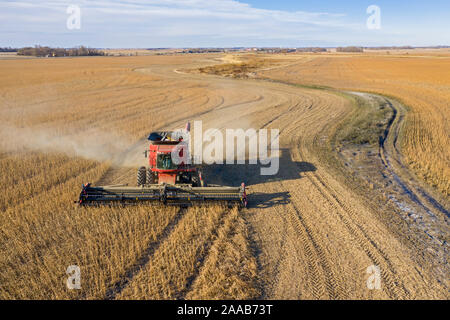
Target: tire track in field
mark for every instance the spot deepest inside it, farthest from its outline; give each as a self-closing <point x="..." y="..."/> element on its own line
<point x="315" y="262"/>
<point x="389" y="142"/>
<point x="396" y="288"/>
<point x="333" y="287"/>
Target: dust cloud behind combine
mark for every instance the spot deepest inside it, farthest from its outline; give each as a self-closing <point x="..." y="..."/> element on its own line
<point x="91" y="144"/>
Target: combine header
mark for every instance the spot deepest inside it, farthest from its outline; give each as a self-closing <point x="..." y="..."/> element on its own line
<point x="164" y="181"/>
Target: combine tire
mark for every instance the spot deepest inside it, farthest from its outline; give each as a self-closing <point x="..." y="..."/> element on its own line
<point x="150" y="177"/>
<point x="141" y="175"/>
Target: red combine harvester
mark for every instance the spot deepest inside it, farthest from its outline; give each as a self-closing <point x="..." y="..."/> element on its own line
<point x="162" y="167"/>
<point x="167" y="180"/>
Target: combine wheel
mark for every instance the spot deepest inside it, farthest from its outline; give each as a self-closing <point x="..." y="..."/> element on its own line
<point x="141" y="175"/>
<point x="150" y="177"/>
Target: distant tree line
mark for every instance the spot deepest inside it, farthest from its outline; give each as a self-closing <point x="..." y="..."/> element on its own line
<point x="9" y="49"/>
<point x="312" y="49"/>
<point x="391" y="48"/>
<point x="203" y="50"/>
<point x="39" y="51"/>
<point x="349" y="49"/>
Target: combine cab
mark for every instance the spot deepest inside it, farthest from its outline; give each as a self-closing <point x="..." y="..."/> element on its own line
<point x="169" y="179"/>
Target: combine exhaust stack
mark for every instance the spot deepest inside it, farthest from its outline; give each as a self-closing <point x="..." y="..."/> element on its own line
<point x="179" y="195"/>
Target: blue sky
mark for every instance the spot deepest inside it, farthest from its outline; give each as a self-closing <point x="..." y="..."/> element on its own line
<point x="223" y="23"/>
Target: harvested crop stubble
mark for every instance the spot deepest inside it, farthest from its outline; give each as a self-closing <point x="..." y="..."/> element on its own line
<point x="422" y="83"/>
<point x="175" y="264"/>
<point x="41" y="238"/>
<point x="42" y="232"/>
<point x="74" y="96"/>
<point x="230" y="269"/>
<point x="53" y="172"/>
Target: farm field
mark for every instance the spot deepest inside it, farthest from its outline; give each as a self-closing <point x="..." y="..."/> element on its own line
<point x="310" y="232"/>
<point x="419" y="79"/>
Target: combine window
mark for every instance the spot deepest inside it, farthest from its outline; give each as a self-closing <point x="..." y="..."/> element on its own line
<point x="164" y="162"/>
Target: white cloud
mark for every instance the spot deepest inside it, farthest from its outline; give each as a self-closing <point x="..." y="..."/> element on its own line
<point x="224" y="9"/>
<point x="168" y="23"/>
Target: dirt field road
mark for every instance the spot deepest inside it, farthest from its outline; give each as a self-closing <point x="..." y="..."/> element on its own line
<point x="312" y="236"/>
